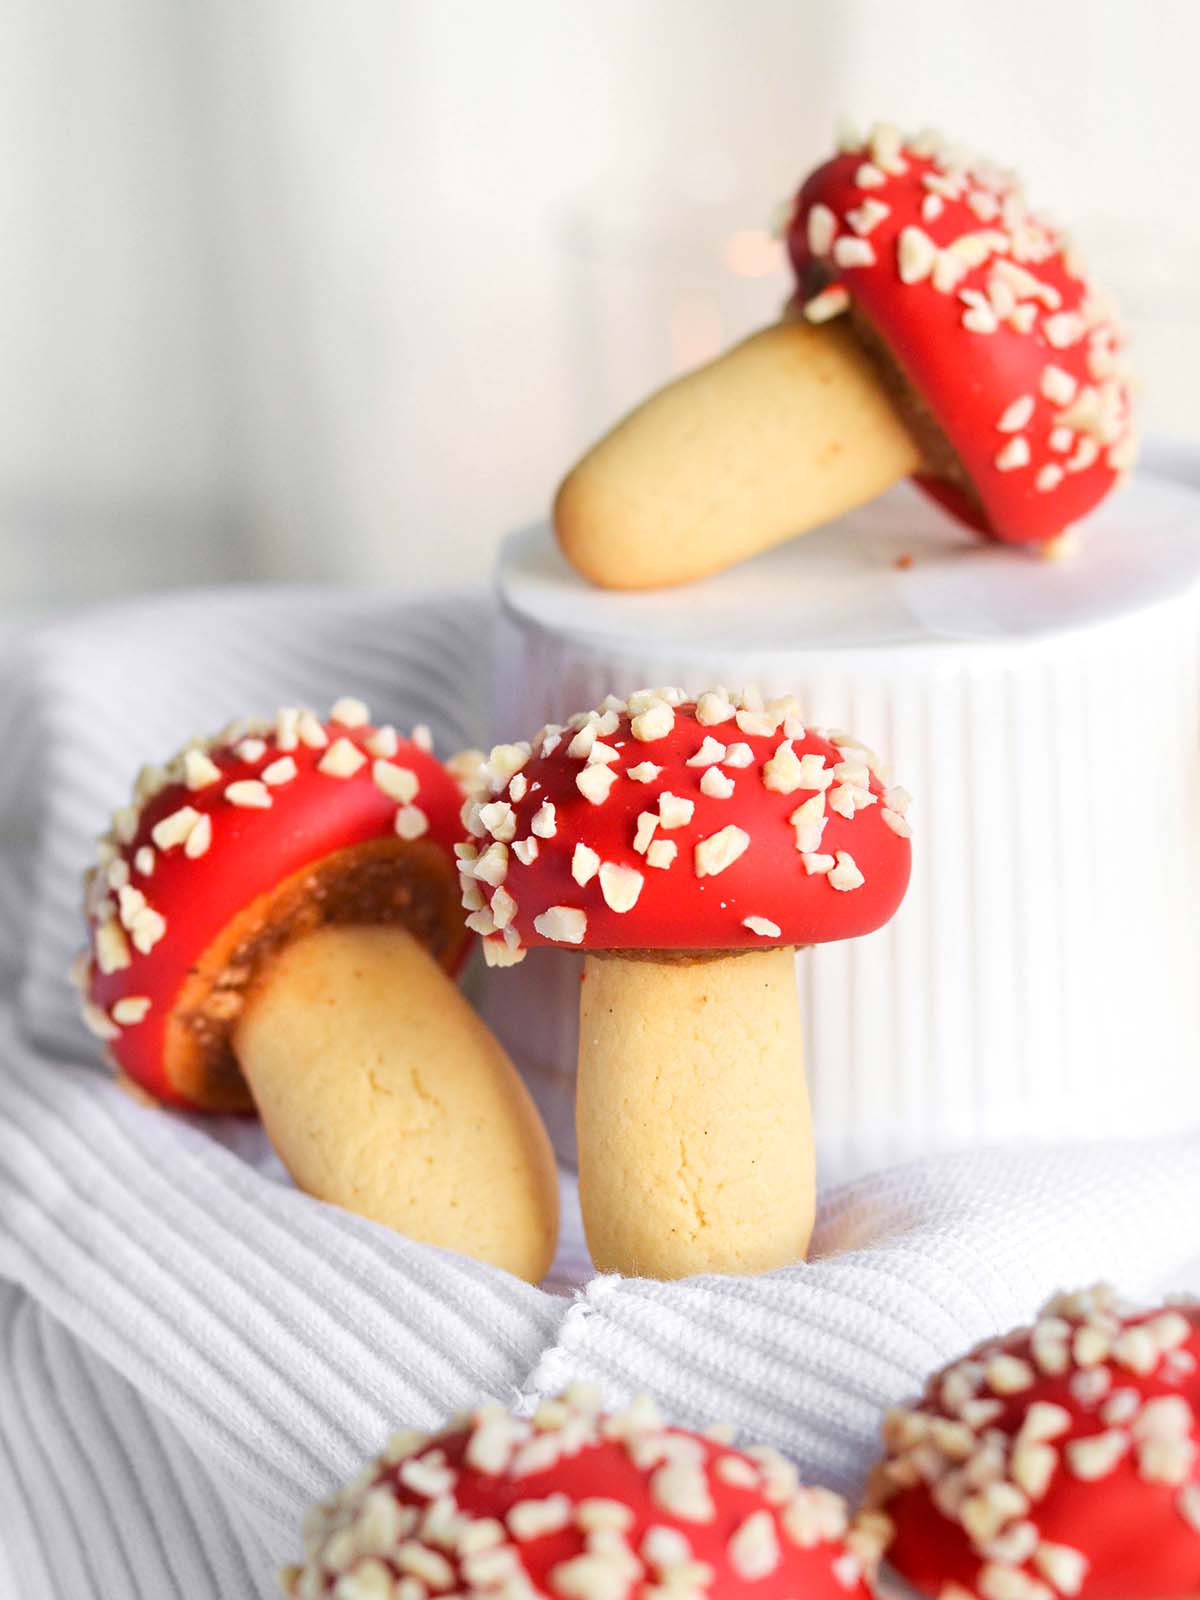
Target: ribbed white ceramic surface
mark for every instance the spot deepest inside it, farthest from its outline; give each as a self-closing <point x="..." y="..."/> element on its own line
<point x="1042" y="979"/>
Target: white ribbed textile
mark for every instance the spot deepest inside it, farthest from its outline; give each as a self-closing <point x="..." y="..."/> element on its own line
<point x="190" y="1350"/>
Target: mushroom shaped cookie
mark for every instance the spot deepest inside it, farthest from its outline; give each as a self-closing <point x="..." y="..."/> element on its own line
<point x="272" y="925"/>
<point x="576" y="1505"/>
<point x="1063" y="1460"/>
<point x="688" y="847"/>
<point x="941" y="330"/>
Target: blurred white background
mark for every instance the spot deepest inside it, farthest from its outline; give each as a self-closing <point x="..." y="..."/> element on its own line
<point x="292" y="288"/>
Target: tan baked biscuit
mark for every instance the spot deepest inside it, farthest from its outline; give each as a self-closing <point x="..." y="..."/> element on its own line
<point x="385" y="1094"/>
<point x="694" y="1128"/>
<point x="785" y="431"/>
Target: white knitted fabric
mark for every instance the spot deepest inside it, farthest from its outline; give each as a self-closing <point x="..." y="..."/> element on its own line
<point x="190" y="1350"/>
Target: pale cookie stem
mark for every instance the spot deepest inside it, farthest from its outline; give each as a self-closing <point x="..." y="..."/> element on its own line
<point x="782" y="433"/>
<point x="695" y="1138"/>
<point x="383" y="1093"/>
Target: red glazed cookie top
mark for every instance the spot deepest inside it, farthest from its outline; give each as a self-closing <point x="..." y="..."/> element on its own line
<point x="988" y="315"/>
<point x="576" y="1505"/>
<point x="227" y="821"/>
<point x="1061" y="1461"/>
<point x="663" y="823"/>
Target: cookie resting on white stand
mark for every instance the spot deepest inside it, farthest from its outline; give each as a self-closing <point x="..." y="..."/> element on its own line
<point x="1041" y="979"/>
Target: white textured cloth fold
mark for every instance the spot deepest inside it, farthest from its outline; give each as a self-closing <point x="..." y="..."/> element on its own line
<point x="190" y="1350"/>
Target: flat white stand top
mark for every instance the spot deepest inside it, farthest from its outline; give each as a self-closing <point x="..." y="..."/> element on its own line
<point x="894" y="573"/>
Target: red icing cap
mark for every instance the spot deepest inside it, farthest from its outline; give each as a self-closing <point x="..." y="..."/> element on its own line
<point x="989" y="316"/>
<point x="663" y="823"/>
<point x="1063" y="1460"/>
<point x="576" y="1505"/>
<point x="227" y="821"/>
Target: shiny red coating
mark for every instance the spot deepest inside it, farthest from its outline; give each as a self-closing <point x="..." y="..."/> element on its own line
<point x="610" y="1480"/>
<point x="1067" y="452"/>
<point x="677" y="909"/>
<point x="1136" y="1526"/>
